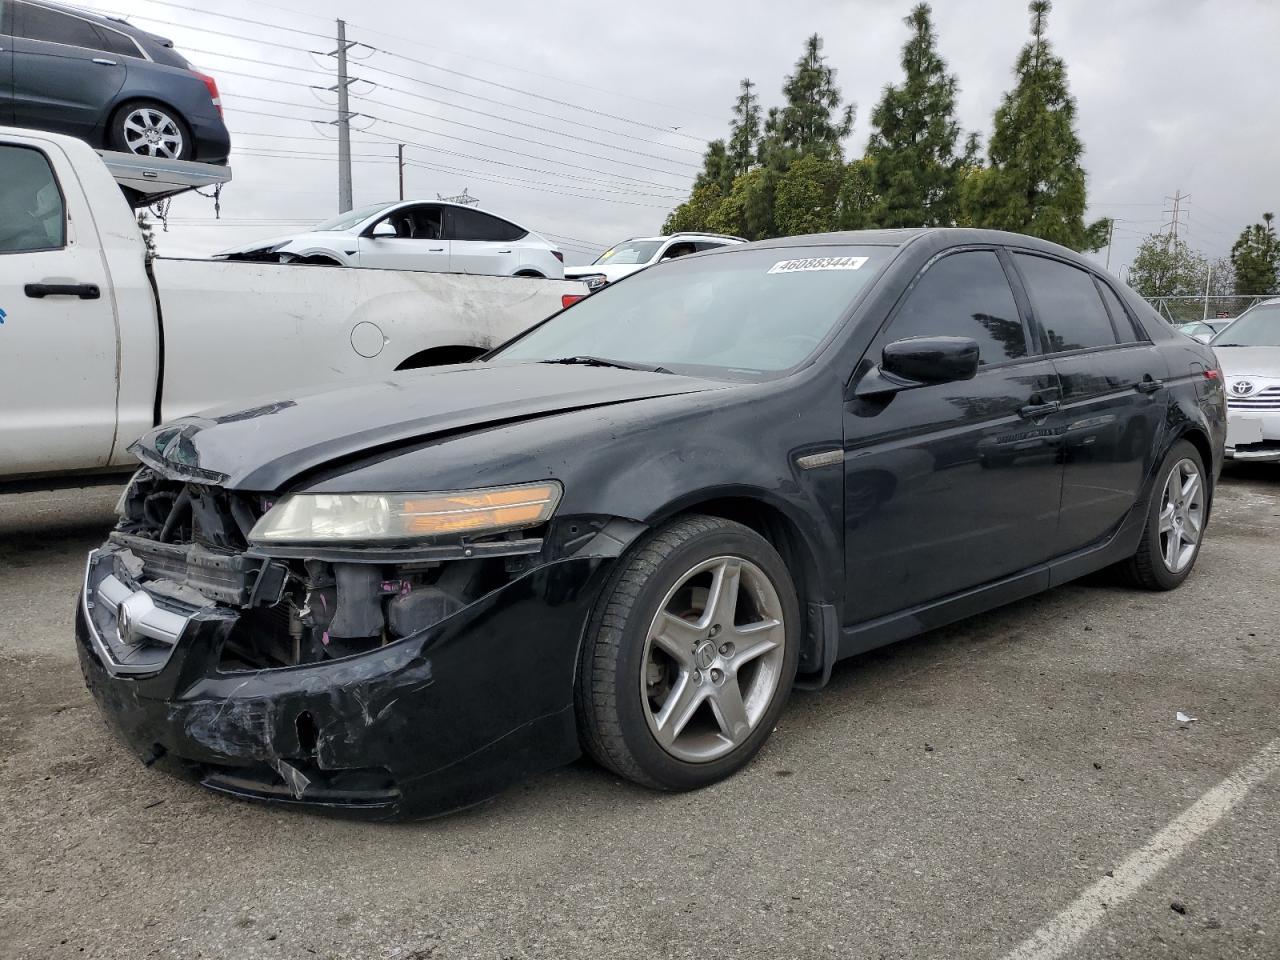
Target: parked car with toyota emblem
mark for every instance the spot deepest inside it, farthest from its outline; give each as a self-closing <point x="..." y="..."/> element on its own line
<point x="1249" y="351"/>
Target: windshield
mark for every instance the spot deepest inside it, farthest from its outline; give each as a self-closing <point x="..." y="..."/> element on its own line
<point x="741" y="315"/>
<point x="632" y="252"/>
<point x="1259" y="327"/>
<point x="345" y="221"/>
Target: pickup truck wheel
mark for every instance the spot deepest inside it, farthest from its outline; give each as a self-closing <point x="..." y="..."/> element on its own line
<point x="148" y="129"/>
<point x="689" y="656"/>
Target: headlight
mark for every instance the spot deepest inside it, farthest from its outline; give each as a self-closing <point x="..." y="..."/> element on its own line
<point x="382" y="517"/>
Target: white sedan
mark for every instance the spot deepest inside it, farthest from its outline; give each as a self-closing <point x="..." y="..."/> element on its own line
<point x="415" y="235"/>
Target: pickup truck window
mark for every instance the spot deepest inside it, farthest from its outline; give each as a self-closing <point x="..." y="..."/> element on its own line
<point x="32" y="216"/>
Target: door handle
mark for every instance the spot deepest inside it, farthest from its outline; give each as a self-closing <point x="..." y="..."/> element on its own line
<point x="103" y="61"/>
<point x="435" y="249"/>
<point x="504" y="251"/>
<point x="1148" y="385"/>
<point x="85" y="291"/>
<point x="1033" y="411"/>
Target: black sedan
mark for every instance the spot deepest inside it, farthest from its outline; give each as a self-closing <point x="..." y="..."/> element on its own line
<point x="98" y="78"/>
<point x="634" y="529"/>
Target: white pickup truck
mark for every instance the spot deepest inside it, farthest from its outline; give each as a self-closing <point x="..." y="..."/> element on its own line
<point x="99" y="342"/>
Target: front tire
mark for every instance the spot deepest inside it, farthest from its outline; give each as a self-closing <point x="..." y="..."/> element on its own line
<point x="1176" y="520"/>
<point x="689" y="656"/>
<point x="147" y="129"/>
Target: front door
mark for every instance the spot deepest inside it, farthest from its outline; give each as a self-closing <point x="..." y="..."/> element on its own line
<point x="57" y="328"/>
<point x="955" y="485"/>
<point x="1113" y="399"/>
<point x="64" y="78"/>
<point x="408" y="238"/>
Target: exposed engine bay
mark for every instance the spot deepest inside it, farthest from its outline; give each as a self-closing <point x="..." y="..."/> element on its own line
<point x="189" y="543"/>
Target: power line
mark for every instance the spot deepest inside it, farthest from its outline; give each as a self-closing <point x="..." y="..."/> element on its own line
<point x="453" y="153"/>
<point x="538" y="143"/>
<point x="536" y="96"/>
<point x="575" y="196"/>
<point x="420" y="43"/>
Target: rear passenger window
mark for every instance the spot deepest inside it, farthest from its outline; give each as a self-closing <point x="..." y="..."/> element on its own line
<point x="1125" y="326"/>
<point x="115" y="42"/>
<point x="1066" y="305"/>
<point x="474" y="225"/>
<point x="965" y="295"/>
<point x="31" y="212"/>
<point x="41" y="23"/>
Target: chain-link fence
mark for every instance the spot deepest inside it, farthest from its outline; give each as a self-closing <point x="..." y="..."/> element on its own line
<point x="1186" y="309"/>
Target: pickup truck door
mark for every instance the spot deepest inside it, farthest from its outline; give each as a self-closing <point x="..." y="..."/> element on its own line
<point x="58" y="344"/>
<point x="64" y="77"/>
<point x="408" y="238"/>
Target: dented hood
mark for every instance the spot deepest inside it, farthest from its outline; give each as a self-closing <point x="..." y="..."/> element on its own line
<point x="265" y="444"/>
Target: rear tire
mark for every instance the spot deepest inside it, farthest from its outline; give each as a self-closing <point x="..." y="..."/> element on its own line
<point x="148" y="129"/>
<point x="1176" y="518"/>
<point x="689" y="656"/>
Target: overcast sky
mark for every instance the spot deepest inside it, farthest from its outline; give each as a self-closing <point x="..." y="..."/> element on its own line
<point x="1172" y="95"/>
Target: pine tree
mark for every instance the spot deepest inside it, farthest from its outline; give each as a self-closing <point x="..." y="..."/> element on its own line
<point x="716" y="169"/>
<point x="916" y="172"/>
<point x="1035" y="183"/>
<point x="744" y="131"/>
<point x="814" y="119"/>
<point x="1256" y="258"/>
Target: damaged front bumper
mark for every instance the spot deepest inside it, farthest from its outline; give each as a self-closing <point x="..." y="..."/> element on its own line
<point x="422" y="725"/>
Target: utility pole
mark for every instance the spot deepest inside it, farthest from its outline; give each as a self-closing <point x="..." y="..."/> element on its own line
<point x="400" y="164"/>
<point x="1175" y="221"/>
<point x="1111" y="232"/>
<point x="344" y="123"/>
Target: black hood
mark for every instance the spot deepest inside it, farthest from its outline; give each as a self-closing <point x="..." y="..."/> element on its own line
<point x="266" y="444"/>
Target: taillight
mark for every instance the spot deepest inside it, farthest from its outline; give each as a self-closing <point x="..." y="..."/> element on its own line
<point x="212" y="84"/>
<point x="558" y="255"/>
<point x="569" y="299"/>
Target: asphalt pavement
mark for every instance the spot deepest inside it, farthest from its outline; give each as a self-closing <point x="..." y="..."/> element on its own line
<point x="1015" y="786"/>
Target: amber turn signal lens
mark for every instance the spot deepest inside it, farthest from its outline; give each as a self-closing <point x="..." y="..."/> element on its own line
<point x="501" y="508"/>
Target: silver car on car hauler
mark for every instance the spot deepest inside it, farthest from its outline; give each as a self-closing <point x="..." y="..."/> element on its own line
<point x="1249" y="351"/>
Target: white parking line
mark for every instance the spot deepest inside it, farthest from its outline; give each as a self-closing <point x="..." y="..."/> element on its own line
<point x="1069" y="927"/>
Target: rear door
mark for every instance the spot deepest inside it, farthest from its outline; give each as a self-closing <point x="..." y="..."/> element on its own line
<point x="6" y="62"/>
<point x="1113" y="398"/>
<point x="408" y="238"/>
<point x="953" y="485"/>
<point x="58" y="354"/>
<point x="482" y="243"/>
<point x="64" y="75"/>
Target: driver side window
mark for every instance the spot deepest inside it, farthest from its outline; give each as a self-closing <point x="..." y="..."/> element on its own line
<point x="964" y="295"/>
<point x="32" y="216"/>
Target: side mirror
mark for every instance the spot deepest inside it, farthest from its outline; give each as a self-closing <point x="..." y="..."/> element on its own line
<point x="918" y="361"/>
<point x="384" y="230"/>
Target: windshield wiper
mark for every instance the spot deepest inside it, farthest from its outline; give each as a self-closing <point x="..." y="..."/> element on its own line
<point x="587" y="361"/>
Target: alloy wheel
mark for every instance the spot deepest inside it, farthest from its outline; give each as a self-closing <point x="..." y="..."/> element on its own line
<point x="713" y="658"/>
<point x="153" y="133"/>
<point x="1181" y="516"/>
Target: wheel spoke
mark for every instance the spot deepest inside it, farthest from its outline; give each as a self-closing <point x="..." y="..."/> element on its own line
<point x="1191" y="489"/>
<point x="756" y="639"/>
<point x="1171" y="551"/>
<point x="677" y="637"/>
<point x="1192" y="526"/>
<point x="730" y="710"/>
<point x="1166" y="518"/>
<point x="722" y="598"/>
<point x="683" y="700"/>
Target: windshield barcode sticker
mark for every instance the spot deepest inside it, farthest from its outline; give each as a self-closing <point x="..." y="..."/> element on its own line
<point x="818" y="263"/>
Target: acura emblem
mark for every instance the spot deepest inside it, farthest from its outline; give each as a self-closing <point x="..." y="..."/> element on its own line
<point x="124" y="624"/>
<point x="1242" y="388"/>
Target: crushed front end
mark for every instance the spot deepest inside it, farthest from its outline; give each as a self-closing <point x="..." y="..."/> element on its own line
<point x="390" y="680"/>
